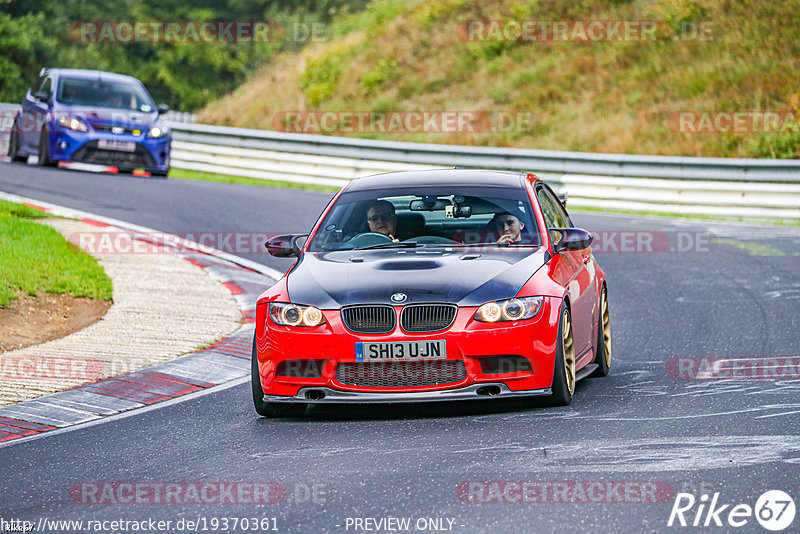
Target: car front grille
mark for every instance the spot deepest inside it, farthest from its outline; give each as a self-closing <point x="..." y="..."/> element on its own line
<point x="110" y="128"/>
<point x="369" y="319"/>
<point x="301" y="368"/>
<point x="401" y="374"/>
<point x="90" y="153"/>
<point x="427" y="317"/>
<point x="492" y="365"/>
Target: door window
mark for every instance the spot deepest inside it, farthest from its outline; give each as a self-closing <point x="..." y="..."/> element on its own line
<point x="554" y="216"/>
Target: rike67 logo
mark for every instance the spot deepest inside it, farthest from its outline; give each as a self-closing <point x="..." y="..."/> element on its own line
<point x="774" y="510"/>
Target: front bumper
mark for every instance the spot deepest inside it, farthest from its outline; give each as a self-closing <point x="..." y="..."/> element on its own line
<point x="331" y="344"/>
<point x="152" y="154"/>
<point x="473" y="392"/>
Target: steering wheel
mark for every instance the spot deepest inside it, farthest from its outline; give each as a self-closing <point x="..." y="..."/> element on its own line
<point x="369" y="238"/>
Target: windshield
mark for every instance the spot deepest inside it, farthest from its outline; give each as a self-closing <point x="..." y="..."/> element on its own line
<point x="430" y="216"/>
<point x="96" y="93"/>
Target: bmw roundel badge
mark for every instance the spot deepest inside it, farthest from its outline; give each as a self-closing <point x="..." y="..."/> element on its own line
<point x="399" y="297"/>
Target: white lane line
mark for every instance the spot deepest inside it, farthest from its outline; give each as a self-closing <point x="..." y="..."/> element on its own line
<point x="129" y="413"/>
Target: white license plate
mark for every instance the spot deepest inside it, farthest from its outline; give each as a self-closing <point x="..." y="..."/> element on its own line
<point x="111" y="144"/>
<point x="401" y="351"/>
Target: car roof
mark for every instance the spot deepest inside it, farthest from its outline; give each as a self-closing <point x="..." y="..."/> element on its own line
<point x="411" y="179"/>
<point x="92" y="74"/>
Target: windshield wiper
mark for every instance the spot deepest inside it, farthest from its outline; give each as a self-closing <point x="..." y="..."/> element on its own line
<point x="400" y="244"/>
<point x="489" y="244"/>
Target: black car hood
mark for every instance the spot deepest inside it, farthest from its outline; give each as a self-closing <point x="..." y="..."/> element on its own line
<point x="329" y="280"/>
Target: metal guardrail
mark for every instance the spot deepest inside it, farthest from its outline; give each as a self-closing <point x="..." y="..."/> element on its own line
<point x="700" y="186"/>
<point x="726" y="169"/>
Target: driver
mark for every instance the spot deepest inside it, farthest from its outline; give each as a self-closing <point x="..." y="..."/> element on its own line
<point x="382" y="219"/>
<point x="115" y="100"/>
<point x="508" y="226"/>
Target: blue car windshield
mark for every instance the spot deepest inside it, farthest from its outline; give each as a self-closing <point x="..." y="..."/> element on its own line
<point x="431" y="216"/>
<point x="106" y="94"/>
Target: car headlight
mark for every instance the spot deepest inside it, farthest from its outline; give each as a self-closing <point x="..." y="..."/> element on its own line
<point x="72" y="123"/>
<point x="294" y="315"/>
<point x="158" y="131"/>
<point x="509" y="310"/>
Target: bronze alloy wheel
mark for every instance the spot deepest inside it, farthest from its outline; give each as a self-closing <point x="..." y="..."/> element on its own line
<point x="568" y="351"/>
<point x="606" y="330"/>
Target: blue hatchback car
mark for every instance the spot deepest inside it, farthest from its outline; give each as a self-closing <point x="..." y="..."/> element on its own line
<point x="91" y="117"/>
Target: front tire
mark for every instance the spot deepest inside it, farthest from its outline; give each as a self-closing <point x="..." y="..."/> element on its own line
<point x="44" y="151"/>
<point x="13" y="146"/>
<point x="269" y="409"/>
<point x="564" y="367"/>
<point x="603" y="347"/>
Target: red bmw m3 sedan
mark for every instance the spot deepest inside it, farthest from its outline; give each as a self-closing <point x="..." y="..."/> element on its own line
<point x="432" y="286"/>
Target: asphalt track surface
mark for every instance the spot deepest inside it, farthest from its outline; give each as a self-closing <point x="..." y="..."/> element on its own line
<point x="735" y="294"/>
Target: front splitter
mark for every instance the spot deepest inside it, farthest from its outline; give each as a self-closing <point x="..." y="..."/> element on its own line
<point x="323" y="395"/>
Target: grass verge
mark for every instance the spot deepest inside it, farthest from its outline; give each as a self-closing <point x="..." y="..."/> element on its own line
<point x="186" y="174"/>
<point x="36" y="258"/>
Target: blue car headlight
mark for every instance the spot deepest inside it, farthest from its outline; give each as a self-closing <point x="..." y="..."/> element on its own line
<point x="72" y="123"/>
<point x="515" y="309"/>
<point x="157" y="131"/>
<point x="286" y="314"/>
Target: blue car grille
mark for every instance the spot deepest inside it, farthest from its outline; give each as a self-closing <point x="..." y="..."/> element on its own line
<point x="401" y="374"/>
<point x="110" y="127"/>
<point x="90" y="153"/>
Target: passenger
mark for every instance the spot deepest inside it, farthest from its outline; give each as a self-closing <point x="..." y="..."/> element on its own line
<point x="382" y="218"/>
<point x="508" y="226"/>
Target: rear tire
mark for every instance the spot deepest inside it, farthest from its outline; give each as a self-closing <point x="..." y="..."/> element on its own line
<point x="564" y="367"/>
<point x="13" y="146"/>
<point x="269" y="409"/>
<point x="44" y="151"/>
<point x="603" y="347"/>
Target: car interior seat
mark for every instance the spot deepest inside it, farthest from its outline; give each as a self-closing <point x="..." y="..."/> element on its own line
<point x="410" y="225"/>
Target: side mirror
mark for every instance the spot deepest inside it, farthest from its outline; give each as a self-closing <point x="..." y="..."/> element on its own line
<point x="41" y="96"/>
<point x="162" y="108"/>
<point x="570" y="239"/>
<point x="285" y="246"/>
